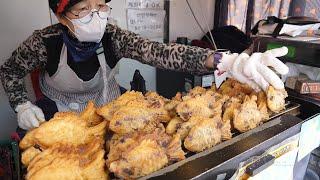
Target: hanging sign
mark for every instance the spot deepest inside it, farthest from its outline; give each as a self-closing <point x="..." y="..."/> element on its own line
<point x="147" y="23"/>
<point x="145" y="4"/>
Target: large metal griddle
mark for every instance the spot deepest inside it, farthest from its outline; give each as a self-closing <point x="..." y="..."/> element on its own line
<point x="225" y="157"/>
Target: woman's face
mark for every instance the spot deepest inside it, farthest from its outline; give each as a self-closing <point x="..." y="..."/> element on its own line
<point x="78" y="10"/>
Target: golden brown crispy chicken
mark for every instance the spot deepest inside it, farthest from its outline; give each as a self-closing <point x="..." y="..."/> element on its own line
<point x="130" y="119"/>
<point x="205" y="134"/>
<point x="119" y="144"/>
<point x="174" y="125"/>
<point x="90" y="115"/>
<point x="142" y="160"/>
<point x="206" y="105"/>
<point x="139" y="154"/>
<point x="226" y="130"/>
<point x="233" y="88"/>
<point x="196" y="91"/>
<point x="213" y="88"/>
<point x="229" y="107"/>
<point x="155" y="95"/>
<point x="109" y="109"/>
<point x="138" y="113"/>
<point x="276" y="99"/>
<point x="248" y="115"/>
<point x="174" y="149"/>
<point x="262" y="105"/>
<point x="171" y="105"/>
<point x="155" y="104"/>
<point x="65" y="127"/>
<point x="28" y="155"/>
<point x="69" y="162"/>
<point x="228" y="114"/>
<point x="185" y="127"/>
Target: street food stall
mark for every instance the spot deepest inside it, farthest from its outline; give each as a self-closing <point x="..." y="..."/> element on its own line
<point x="229" y="106"/>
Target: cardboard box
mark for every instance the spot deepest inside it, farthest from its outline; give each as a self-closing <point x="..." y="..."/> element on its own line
<point x="307" y="87"/>
<point x="291" y="81"/>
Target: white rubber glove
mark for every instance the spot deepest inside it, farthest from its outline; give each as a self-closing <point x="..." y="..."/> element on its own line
<point x="257" y="68"/>
<point x="29" y="116"/>
<point x="233" y="64"/>
<point x="253" y="70"/>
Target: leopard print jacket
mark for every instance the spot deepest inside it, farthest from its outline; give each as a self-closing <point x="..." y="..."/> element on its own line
<point x="31" y="55"/>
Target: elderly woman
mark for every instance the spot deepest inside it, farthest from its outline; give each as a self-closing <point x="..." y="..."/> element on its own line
<point x="72" y="74"/>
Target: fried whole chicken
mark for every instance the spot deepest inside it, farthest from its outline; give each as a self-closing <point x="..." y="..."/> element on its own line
<point x="139" y="154"/>
<point x="204" y="134"/>
<point x="248" y="115"/>
<point x="66" y="162"/>
<point x="207" y="105"/>
<point x="109" y="109"/>
<point x="137" y="113"/>
<point x="67" y="127"/>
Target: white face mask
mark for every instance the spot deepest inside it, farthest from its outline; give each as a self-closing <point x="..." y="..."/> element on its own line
<point x="92" y="31"/>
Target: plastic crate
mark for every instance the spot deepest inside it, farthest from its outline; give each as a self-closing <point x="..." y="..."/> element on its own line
<point x="10" y="160"/>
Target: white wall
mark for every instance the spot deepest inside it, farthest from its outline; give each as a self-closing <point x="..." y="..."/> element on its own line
<point x="182" y="23"/>
<point x="18" y="19"/>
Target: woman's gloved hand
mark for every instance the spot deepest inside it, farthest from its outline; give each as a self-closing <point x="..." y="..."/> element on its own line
<point x="254" y="70"/>
<point x="29" y="116"/>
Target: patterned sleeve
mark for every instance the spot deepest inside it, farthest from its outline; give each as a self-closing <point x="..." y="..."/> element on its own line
<point x="167" y="56"/>
<point x="30" y="55"/>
